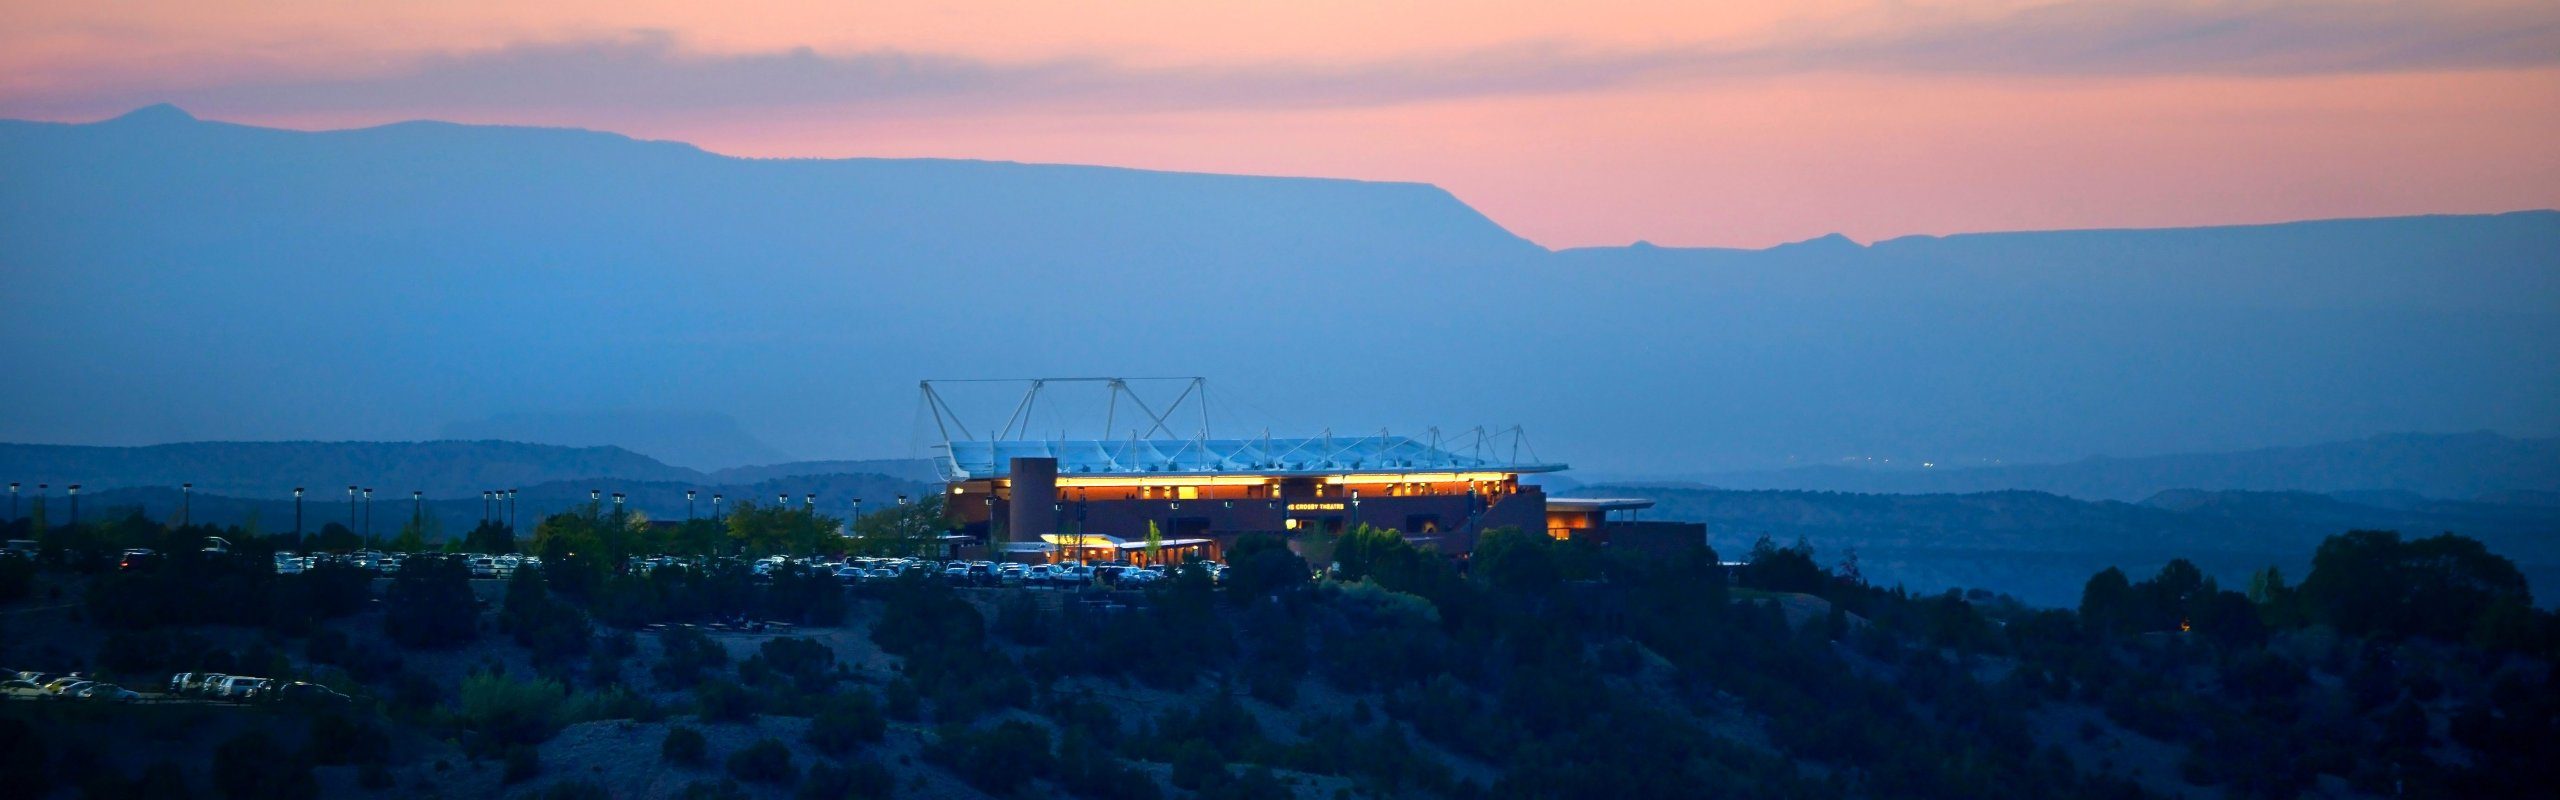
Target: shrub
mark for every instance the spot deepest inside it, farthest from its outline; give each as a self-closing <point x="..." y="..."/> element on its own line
<point x="713" y="790"/>
<point x="803" y="660"/>
<point x="766" y="761"/>
<point x="338" y="738"/>
<point x="846" y="721"/>
<point x="430" y="605"/>
<point x="22" y="758"/>
<point x="575" y="790"/>
<point x="17" y="578"/>
<point x="1088" y="771"/>
<point x="831" y="781"/>
<point x="508" y="712"/>
<point x="523" y="762"/>
<point x="722" y="701"/>
<point x="902" y="701"/>
<point x="254" y="765"/>
<point x="685" y="746"/>
<point x="688" y="653"/>
<point x="1197" y="766"/>
<point x="996" y="760"/>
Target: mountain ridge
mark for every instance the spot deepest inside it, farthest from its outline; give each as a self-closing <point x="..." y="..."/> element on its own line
<point x="542" y="270"/>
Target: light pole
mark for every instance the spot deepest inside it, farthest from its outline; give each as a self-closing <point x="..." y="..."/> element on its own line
<point x="595" y="505"/>
<point x="617" y="509"/>
<point x="1355" y="508"/>
<point x="368" y="516"/>
<point x="485" y="497"/>
<point x="511" y="510"/>
<point x="351" y="508"/>
<point x="812" y="506"/>
<point x="186" y="492"/>
<point x="688" y="505"/>
<point x="715" y="506"/>
<point x="75" y="505"/>
<point x="782" y="500"/>
<point x="418" y="511"/>
<point x="297" y="518"/>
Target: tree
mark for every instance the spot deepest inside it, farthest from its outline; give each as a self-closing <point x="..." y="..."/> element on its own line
<point x="1261" y="565"/>
<point x="336" y="538"/>
<point x="490" y="537"/>
<point x="906" y="530"/>
<point x="1783" y="569"/>
<point x="414" y="536"/>
<point x="1515" y="561"/>
<point x="1155" y="540"/>
<point x="776" y="529"/>
<point x="2372" y="582"/>
<point x="2106" y="602"/>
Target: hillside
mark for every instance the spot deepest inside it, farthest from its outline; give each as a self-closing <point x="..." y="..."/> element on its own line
<point x="188" y="264"/>
<point x="2039" y="546"/>
<point x="2402" y="666"/>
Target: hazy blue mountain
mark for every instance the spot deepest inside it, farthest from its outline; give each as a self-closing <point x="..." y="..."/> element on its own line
<point x="911" y="469"/>
<point x="444" y="470"/>
<point x="272" y="469"/>
<point x="699" y="440"/>
<point x="453" y="516"/>
<point x="2422" y="466"/>
<point x="174" y="279"/>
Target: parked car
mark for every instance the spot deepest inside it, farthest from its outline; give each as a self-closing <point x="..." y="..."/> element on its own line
<point x="63" y="687"/>
<point x="137" y="558"/>
<point x="484" y="567"/>
<point x="302" y="692"/>
<point x="107" y="692"/>
<point x="235" y="687"/>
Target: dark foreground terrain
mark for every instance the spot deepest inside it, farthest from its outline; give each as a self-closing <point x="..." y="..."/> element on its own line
<point x="1529" y="668"/>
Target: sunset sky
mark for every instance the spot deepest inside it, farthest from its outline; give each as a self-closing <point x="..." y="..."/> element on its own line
<point x="1742" y="123"/>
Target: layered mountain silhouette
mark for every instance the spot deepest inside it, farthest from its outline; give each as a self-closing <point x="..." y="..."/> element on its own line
<point x="442" y="469"/>
<point x="2397" y="470"/>
<point x="177" y="279"/>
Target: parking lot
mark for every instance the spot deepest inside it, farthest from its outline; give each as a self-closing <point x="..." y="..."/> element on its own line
<point x="1067" y="575"/>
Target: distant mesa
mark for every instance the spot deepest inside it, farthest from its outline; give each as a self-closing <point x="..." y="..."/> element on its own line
<point x="699" y="440"/>
<point x="162" y="113"/>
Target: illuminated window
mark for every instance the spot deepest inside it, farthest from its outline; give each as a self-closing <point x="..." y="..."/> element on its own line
<point x="1187" y="493"/>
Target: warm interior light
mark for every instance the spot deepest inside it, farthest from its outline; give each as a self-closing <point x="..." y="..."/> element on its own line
<point x="1419" y="477"/>
<point x="1164" y="480"/>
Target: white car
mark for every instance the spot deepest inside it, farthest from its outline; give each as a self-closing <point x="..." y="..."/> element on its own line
<point x="484" y="567"/>
<point x="287" y="564"/>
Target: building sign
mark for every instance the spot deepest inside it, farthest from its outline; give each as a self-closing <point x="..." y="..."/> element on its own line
<point x="1315" y="506"/>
